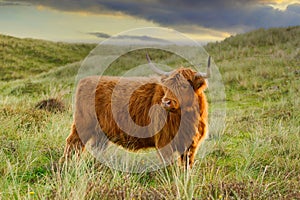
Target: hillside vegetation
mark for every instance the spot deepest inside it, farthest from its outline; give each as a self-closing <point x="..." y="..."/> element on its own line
<point x="255" y="157"/>
<point x="27" y="57"/>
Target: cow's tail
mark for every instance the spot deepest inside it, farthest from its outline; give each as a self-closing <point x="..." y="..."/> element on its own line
<point x="73" y="143"/>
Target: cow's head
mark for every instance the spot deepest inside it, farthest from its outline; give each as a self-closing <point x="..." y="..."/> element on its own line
<point x="181" y="86"/>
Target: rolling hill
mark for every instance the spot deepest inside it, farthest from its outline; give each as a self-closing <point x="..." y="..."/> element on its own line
<point x="29" y="57"/>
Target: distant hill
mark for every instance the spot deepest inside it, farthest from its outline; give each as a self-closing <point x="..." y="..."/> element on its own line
<point x="25" y="57"/>
<point x="28" y="57"/>
<point x="274" y="50"/>
<point x="257" y="43"/>
<point x="266" y="37"/>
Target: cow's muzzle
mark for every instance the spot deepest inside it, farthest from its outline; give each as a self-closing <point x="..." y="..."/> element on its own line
<point x="169" y="104"/>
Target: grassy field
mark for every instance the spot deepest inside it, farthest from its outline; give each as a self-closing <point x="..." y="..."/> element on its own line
<point x="256" y="157"/>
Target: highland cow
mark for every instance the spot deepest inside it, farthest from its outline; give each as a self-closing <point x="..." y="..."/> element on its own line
<point x="169" y="113"/>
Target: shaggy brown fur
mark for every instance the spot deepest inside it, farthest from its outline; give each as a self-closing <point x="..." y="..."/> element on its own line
<point x="112" y="105"/>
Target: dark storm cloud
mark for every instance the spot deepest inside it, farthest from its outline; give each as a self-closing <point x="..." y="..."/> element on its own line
<point x="99" y="34"/>
<point x="129" y="37"/>
<point x="142" y="38"/>
<point x="218" y="14"/>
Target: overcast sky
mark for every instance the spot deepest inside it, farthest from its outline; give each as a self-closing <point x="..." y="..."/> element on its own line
<point x="96" y="20"/>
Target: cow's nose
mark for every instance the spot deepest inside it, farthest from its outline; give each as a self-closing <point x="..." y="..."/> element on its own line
<point x="167" y="102"/>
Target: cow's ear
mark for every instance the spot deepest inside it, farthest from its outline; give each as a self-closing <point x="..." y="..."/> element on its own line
<point x="199" y="84"/>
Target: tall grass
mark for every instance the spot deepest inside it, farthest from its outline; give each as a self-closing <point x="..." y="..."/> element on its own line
<point x="256" y="157"/>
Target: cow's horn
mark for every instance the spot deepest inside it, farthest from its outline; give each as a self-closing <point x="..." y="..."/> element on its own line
<point x="208" y="72"/>
<point x="155" y="69"/>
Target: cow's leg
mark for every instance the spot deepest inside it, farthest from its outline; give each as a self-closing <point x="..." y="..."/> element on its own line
<point x="165" y="155"/>
<point x="193" y="149"/>
<point x="73" y="142"/>
<point x="98" y="141"/>
<point x="184" y="158"/>
<point x="165" y="151"/>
